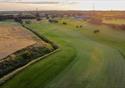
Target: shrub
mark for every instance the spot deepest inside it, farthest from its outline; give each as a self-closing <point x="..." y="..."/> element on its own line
<point x="96" y="31"/>
<point x="38" y="19"/>
<point x="18" y="19"/>
<point x="53" y="21"/>
<point x="79" y="26"/>
<point x="28" y="22"/>
<point x="64" y="23"/>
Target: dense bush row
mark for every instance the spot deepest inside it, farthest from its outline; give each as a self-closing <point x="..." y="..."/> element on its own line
<point x="21" y="58"/>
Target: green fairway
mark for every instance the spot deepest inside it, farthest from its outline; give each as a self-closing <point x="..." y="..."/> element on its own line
<point x="85" y="59"/>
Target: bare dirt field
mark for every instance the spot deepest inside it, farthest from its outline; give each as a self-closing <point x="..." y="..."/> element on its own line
<point x="14" y="38"/>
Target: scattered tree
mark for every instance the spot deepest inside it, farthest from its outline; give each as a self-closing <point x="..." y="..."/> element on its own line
<point x="38" y="18"/>
<point x="96" y="31"/>
<point x="53" y="21"/>
<point x="64" y="23"/>
<point x="79" y="26"/>
<point x="18" y="19"/>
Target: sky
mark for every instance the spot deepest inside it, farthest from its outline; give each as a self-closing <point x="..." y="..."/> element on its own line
<point x="10" y="5"/>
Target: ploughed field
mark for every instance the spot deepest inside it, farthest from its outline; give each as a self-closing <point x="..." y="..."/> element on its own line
<point x="13" y="38"/>
<point x="87" y="59"/>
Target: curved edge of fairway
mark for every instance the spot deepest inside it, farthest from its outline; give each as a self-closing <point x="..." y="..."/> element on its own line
<point x="44" y="71"/>
<point x="105" y="70"/>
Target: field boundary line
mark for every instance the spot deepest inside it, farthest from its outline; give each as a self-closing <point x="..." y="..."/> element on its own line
<point x="55" y="46"/>
<point x="16" y="71"/>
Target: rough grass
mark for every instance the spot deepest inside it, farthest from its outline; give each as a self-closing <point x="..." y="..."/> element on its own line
<point x="86" y="60"/>
<point x="114" y="21"/>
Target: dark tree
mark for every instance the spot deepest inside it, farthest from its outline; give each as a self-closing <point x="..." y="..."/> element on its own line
<point x="64" y="23"/>
<point x="53" y="21"/>
<point x="38" y="18"/>
<point x="47" y="16"/>
<point x="96" y="31"/>
<point x="18" y="19"/>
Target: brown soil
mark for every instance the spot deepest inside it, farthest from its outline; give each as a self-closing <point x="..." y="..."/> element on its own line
<point x="14" y="38"/>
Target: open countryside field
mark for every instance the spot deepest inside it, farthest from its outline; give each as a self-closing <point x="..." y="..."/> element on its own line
<point x="85" y="60"/>
<point x="13" y="38"/>
<point x="18" y="46"/>
<point x="114" y="21"/>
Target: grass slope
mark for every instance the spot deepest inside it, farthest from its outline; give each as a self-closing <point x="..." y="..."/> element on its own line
<point x="86" y="60"/>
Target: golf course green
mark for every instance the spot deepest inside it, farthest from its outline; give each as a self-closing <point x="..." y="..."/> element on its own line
<point x="85" y="59"/>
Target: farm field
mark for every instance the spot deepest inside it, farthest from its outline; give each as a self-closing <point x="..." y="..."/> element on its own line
<point x="13" y="38"/>
<point x="114" y="21"/>
<point x="85" y="60"/>
<point x="18" y="46"/>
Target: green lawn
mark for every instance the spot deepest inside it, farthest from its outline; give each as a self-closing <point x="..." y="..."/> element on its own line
<point x="86" y="60"/>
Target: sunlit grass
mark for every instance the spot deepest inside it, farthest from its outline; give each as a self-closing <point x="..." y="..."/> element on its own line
<point x="86" y="59"/>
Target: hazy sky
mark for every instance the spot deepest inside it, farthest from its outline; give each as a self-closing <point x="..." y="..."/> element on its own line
<point x="62" y="4"/>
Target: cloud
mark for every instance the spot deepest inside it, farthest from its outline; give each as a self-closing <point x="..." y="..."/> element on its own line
<point x="42" y="1"/>
<point x="62" y="4"/>
<point x="10" y="0"/>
